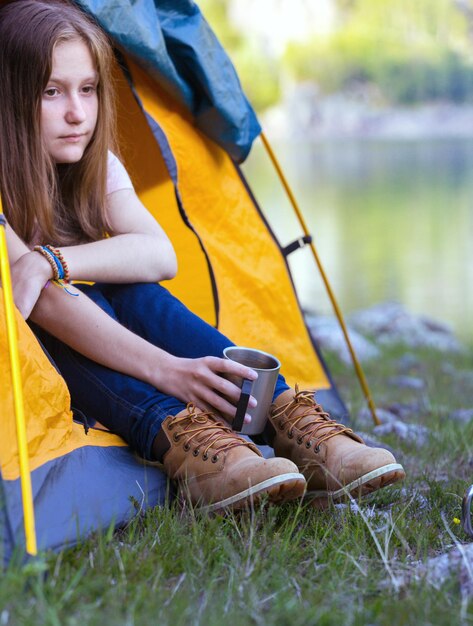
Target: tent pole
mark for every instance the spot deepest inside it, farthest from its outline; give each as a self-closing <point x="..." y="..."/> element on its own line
<point x="25" y="476"/>
<point x="331" y="295"/>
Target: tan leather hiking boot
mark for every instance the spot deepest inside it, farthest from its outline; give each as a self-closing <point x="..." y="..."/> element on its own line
<point x="334" y="460"/>
<point x="216" y="469"/>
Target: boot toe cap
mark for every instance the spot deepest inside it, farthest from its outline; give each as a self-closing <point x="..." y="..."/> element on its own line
<point x="362" y="461"/>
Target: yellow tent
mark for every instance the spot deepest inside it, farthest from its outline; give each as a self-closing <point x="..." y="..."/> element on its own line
<point x="232" y="272"/>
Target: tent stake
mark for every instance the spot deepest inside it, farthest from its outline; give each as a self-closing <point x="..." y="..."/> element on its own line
<point x="331" y="295"/>
<point x="25" y="476"/>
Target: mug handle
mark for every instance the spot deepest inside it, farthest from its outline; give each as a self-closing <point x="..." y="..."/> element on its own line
<point x="242" y="405"/>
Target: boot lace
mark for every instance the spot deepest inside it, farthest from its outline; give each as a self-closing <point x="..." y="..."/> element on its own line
<point x="320" y="427"/>
<point x="204" y="430"/>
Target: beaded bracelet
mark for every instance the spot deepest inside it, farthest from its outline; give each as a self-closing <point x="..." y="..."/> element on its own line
<point x="58" y="265"/>
<point x="59" y="256"/>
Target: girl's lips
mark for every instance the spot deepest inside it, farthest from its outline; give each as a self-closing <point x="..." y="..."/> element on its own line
<point x="72" y="138"/>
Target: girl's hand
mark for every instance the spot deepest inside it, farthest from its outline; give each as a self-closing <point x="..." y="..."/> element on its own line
<point x="29" y="274"/>
<point x="201" y="381"/>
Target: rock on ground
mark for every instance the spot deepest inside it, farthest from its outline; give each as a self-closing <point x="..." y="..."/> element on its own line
<point x="383" y="325"/>
<point x="389" y="323"/>
<point x="464" y="416"/>
<point x="407" y="382"/>
<point x="392" y="425"/>
<point x="327" y="333"/>
<point x="414" y="434"/>
<point x="409" y="410"/>
<point x="385" y="417"/>
<point x="457" y="563"/>
<point x="408" y="362"/>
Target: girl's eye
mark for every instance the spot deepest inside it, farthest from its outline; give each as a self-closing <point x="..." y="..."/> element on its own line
<point x="51" y="91"/>
<point x="88" y="89"/>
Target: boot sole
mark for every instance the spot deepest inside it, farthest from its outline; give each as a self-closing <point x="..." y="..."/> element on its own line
<point x="278" y="489"/>
<point x="372" y="481"/>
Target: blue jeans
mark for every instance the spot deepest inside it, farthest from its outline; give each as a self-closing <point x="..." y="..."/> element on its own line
<point x="125" y="405"/>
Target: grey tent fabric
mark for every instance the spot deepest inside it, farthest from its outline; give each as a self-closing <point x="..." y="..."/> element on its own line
<point x="6" y="536"/>
<point x="88" y="489"/>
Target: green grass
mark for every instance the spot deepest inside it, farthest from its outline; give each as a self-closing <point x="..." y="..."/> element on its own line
<point x="287" y="565"/>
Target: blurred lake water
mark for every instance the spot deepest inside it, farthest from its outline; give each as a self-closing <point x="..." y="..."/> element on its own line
<point x="392" y="221"/>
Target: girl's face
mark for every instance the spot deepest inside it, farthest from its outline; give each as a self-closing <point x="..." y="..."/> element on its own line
<point x="69" y="105"/>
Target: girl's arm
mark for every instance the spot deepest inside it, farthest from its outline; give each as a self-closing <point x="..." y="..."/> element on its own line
<point x="81" y="324"/>
<point x="29" y="272"/>
<point x="139" y="252"/>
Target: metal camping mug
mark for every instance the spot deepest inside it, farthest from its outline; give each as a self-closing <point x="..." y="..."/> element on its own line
<point x="267" y="367"/>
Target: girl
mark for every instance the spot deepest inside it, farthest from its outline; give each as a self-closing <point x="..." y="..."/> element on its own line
<point x="133" y="356"/>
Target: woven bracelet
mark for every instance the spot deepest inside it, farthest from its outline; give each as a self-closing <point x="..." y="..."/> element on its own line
<point x="59" y="256"/>
<point x="59" y="267"/>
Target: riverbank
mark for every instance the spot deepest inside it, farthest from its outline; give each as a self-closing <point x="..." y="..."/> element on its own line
<point x="307" y="114"/>
<point x="409" y="357"/>
<point x="384" y="324"/>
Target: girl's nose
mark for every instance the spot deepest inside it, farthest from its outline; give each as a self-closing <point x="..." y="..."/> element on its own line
<point x="75" y="113"/>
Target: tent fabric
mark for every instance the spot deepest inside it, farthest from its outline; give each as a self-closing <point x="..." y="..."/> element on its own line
<point x="90" y="488"/>
<point x="6" y="535"/>
<point x="232" y="272"/>
<point x="255" y="303"/>
<point x="172" y="41"/>
<point x="81" y="482"/>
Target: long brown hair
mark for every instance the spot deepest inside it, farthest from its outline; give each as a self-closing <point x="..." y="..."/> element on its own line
<point x="62" y="204"/>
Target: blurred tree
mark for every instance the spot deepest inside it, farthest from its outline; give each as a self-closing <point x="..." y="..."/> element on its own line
<point x="412" y="51"/>
<point x="404" y="51"/>
<point x="259" y="73"/>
